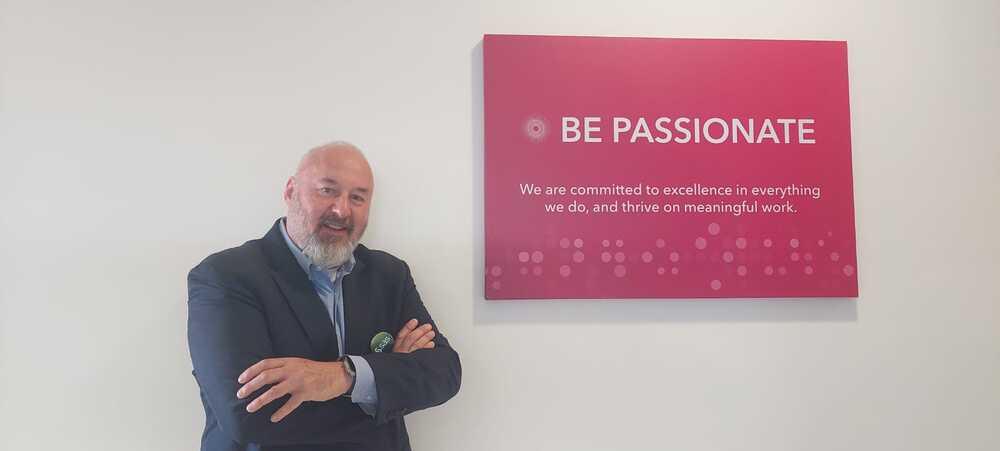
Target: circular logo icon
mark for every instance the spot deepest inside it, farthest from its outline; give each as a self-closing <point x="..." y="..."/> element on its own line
<point x="381" y="341"/>
<point x="535" y="129"/>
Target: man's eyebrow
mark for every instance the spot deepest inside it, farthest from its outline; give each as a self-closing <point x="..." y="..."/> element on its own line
<point x="330" y="181"/>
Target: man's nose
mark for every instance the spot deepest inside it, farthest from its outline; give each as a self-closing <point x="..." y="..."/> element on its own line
<point x="339" y="207"/>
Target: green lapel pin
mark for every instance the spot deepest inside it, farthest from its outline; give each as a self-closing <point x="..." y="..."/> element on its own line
<point x="381" y="341"/>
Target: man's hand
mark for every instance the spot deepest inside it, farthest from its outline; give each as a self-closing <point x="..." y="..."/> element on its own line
<point x="305" y="380"/>
<point x="410" y="337"/>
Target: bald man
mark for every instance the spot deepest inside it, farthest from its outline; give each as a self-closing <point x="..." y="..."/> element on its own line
<point x="290" y="334"/>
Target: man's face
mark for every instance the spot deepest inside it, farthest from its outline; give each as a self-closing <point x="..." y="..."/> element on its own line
<point x="328" y="201"/>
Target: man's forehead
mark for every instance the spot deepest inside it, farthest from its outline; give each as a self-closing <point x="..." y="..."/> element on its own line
<point x="341" y="165"/>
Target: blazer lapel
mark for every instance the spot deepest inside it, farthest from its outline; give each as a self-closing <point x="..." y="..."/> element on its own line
<point x="358" y="314"/>
<point x="300" y="295"/>
<point x="311" y="313"/>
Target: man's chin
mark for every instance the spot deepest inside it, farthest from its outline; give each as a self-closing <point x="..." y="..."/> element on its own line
<point x="330" y="255"/>
<point x="339" y="243"/>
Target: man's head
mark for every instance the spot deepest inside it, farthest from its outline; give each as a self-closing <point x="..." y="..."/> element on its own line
<point x="328" y="200"/>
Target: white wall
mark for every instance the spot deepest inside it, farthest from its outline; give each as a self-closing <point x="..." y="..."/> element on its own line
<point x="137" y="138"/>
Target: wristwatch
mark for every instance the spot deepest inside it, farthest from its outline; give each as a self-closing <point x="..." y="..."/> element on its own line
<point x="349" y="366"/>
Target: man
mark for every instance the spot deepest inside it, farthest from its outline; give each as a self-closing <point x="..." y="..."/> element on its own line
<point x="281" y="328"/>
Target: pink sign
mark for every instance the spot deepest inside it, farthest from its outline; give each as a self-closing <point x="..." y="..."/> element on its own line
<point x="667" y="168"/>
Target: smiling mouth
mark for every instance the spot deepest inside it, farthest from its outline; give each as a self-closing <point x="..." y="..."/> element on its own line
<point x="336" y="228"/>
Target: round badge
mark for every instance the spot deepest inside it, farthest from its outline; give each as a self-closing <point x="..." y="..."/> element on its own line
<point x="381" y="341"/>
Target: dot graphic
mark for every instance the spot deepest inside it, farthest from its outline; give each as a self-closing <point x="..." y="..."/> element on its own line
<point x="716" y="284"/>
<point x="524" y="271"/>
<point x="534" y="128"/>
<point x="782" y="270"/>
<point x="605" y="257"/>
<point x="619" y="270"/>
<point x="808" y="256"/>
<point x="578" y="243"/>
<point x="674" y="270"/>
<point x="537" y="256"/>
<point x="536" y="270"/>
<point x="619" y="257"/>
<point x="564" y="243"/>
<point x="834" y="256"/>
<point x="741" y="270"/>
<point x="768" y="242"/>
<point x="578" y="257"/>
<point x="496" y="284"/>
<point x="741" y="243"/>
<point x="660" y="243"/>
<point x="700" y="243"/>
<point x="605" y="243"/>
<point x="523" y="257"/>
<point x="794" y="243"/>
<point x="661" y="270"/>
<point x="713" y="228"/>
<point x="848" y="270"/>
<point x="647" y="256"/>
<point x="496" y="271"/>
<point x="565" y="271"/>
<point x="619" y="243"/>
<point x="808" y="270"/>
<point x="769" y="270"/>
<point x="821" y="243"/>
<point x="675" y="257"/>
<point x="794" y="256"/>
<point x="727" y="257"/>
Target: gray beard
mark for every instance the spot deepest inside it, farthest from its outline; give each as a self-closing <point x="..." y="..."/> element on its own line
<point x="328" y="256"/>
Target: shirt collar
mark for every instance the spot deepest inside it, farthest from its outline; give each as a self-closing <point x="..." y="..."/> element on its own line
<point x="307" y="264"/>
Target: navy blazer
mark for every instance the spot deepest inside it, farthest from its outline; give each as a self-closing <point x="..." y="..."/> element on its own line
<point x="254" y="302"/>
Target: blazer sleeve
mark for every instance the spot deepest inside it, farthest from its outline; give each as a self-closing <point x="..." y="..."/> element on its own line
<point x="424" y="378"/>
<point x="227" y="333"/>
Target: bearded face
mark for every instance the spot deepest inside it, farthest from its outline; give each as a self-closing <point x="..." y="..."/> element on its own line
<point x="328" y="201"/>
<point x="329" y="240"/>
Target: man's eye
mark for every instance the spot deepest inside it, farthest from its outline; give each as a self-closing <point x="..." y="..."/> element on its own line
<point x="326" y="190"/>
<point x="357" y="198"/>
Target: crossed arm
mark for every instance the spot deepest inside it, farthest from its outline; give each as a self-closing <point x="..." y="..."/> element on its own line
<point x="231" y="349"/>
<point x="309" y="380"/>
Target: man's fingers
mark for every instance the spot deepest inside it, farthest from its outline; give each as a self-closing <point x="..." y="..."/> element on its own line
<point x="408" y="329"/>
<point x="429" y="345"/>
<point x="256" y="368"/>
<point x="419" y="344"/>
<point x="409" y="326"/>
<point x="275" y="392"/>
<point x="265" y="377"/>
<point x="294" y="402"/>
<point x="412" y="337"/>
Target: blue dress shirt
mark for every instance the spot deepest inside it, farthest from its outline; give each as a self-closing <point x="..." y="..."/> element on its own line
<point x="331" y="292"/>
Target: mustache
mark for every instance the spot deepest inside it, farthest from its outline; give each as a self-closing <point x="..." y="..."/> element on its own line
<point x="335" y="221"/>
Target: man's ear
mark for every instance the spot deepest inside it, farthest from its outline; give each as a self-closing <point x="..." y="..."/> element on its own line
<point x="289" y="190"/>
